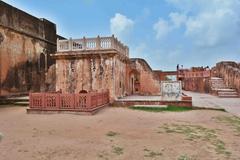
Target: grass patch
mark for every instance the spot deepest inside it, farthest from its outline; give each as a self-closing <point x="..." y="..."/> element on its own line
<point x="233" y="121"/>
<point x="103" y="155"/>
<point x="162" y="109"/>
<point x="111" y="134"/>
<point x="151" y="154"/>
<point x="117" y="150"/>
<point x="196" y="133"/>
<point x="185" y="157"/>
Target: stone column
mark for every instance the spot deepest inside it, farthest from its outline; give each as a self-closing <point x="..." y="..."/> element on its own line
<point x="70" y="44"/>
<point x="98" y="42"/>
<point x="84" y="43"/>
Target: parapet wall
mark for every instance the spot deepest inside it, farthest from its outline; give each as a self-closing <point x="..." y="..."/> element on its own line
<point x="197" y="84"/>
<point x="195" y="79"/>
<point x="24" y="23"/>
<point x="230" y="72"/>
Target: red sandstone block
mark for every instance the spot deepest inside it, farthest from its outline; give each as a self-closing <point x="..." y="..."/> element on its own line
<point x="186" y="98"/>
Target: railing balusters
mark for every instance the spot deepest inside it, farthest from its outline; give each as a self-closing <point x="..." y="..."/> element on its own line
<point x="92" y="44"/>
<point x="68" y="101"/>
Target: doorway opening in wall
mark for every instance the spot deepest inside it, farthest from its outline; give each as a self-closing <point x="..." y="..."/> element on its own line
<point x="171" y="78"/>
<point x="132" y="84"/>
<point x="42" y="62"/>
<point x="83" y="91"/>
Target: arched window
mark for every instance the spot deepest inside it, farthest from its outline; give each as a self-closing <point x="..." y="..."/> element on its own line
<point x="83" y="91"/>
<point x="1" y="38"/>
<point x="42" y="62"/>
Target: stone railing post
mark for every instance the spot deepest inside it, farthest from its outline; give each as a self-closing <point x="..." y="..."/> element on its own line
<point x="58" y="47"/>
<point x="113" y="42"/>
<point x="70" y="43"/>
<point x="84" y="43"/>
<point x="116" y="44"/>
<point x="98" y="42"/>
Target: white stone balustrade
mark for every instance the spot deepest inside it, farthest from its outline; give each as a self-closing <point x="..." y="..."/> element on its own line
<point x="99" y="43"/>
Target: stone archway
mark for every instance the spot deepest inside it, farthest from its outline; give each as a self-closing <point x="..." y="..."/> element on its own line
<point x="1" y="38"/>
<point x="134" y="83"/>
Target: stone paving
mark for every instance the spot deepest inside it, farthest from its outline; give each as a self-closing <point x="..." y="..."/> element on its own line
<point x="231" y="105"/>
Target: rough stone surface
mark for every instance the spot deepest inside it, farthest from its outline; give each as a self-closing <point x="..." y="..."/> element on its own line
<point x="230" y="72"/>
<point x="99" y="70"/>
<point x="92" y="73"/>
<point x="171" y="90"/>
<point x="25" y="46"/>
<point x="195" y="79"/>
<point x="197" y="84"/>
<point x="144" y="77"/>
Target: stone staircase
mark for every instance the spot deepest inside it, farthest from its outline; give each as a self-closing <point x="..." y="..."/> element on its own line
<point x="19" y="101"/>
<point x="220" y="89"/>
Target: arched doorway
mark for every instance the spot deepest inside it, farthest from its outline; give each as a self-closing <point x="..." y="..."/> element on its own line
<point x="134" y="82"/>
<point x="42" y="62"/>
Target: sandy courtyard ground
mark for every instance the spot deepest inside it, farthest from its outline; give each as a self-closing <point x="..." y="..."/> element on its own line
<point x="119" y="134"/>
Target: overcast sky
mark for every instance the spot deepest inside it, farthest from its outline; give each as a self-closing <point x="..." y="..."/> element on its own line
<point x="164" y="32"/>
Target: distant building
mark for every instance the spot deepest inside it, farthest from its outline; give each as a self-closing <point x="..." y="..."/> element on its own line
<point x="195" y="79"/>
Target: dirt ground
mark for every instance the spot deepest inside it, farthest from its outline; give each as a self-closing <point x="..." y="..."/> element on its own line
<point x="119" y="134"/>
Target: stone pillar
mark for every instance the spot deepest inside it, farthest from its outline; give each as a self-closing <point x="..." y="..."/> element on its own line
<point x="70" y="44"/>
<point x="113" y="42"/>
<point x="84" y="43"/>
<point x="98" y="42"/>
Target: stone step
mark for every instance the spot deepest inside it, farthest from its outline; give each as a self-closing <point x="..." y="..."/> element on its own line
<point x="217" y="82"/>
<point x="219" y="88"/>
<point x="218" y="85"/>
<point x="21" y="103"/>
<point x="228" y="96"/>
<point x="22" y="99"/>
<point x="216" y="78"/>
<point x="13" y="100"/>
<point x="226" y="90"/>
<point x="227" y="93"/>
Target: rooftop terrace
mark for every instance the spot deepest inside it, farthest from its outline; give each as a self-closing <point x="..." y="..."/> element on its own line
<point x="95" y="44"/>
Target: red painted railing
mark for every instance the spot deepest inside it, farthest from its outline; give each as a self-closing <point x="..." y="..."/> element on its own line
<point x="67" y="101"/>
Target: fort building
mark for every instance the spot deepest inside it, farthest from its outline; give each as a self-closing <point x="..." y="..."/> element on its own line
<point x="102" y="63"/>
<point x="33" y="58"/>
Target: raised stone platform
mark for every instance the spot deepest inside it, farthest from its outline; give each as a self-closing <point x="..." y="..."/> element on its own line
<point x="152" y="100"/>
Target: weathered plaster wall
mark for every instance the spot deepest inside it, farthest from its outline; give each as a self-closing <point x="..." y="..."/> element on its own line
<point x="230" y="72"/>
<point x="196" y="84"/>
<point x="149" y="83"/>
<point x="25" y="46"/>
<point x="120" y="77"/>
<point x="93" y="73"/>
